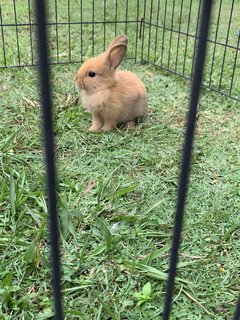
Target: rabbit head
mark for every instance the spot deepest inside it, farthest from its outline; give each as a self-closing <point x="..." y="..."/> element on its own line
<point x="97" y="73"/>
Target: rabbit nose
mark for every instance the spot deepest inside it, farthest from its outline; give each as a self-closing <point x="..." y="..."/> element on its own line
<point x="79" y="83"/>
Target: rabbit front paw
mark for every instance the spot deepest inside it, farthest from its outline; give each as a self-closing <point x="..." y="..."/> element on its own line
<point x="96" y="124"/>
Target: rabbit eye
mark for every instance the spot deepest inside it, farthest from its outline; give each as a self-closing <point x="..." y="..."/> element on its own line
<point x="91" y="74"/>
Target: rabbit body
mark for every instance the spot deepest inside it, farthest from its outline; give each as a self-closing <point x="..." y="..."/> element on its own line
<point x="113" y="97"/>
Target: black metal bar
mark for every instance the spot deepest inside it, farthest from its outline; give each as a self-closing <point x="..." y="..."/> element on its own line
<point x="93" y="28"/>
<point x="186" y="159"/>
<point x="225" y="49"/>
<point x="156" y="34"/>
<point x="3" y="40"/>
<point x="30" y="29"/>
<point x="215" y="43"/>
<point x="126" y="18"/>
<point x="56" y="30"/>
<point x="52" y="63"/>
<point x="104" y="24"/>
<point x="150" y="29"/>
<point x="44" y="78"/>
<point x="171" y="32"/>
<point x="142" y="30"/>
<point x="237" y="311"/>
<point x="69" y="33"/>
<point x="195" y="43"/>
<point x="136" y="39"/>
<point x="63" y="23"/>
<point x="163" y="34"/>
<point x="81" y="29"/>
<point x="116" y="17"/>
<point x="234" y="65"/>
<point x="16" y="27"/>
<point x="179" y="33"/>
<point x="186" y="43"/>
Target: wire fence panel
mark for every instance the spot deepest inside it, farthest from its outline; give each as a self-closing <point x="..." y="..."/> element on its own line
<point x="172" y="37"/>
<point x="78" y="30"/>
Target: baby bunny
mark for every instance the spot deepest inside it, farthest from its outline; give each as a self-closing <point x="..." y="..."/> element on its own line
<point x="113" y="97"/>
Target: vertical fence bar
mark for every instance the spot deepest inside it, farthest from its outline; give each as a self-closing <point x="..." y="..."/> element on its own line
<point x="56" y="29"/>
<point x="215" y="43"/>
<point x="136" y="38"/>
<point x="44" y="79"/>
<point x="104" y="24"/>
<point x="237" y="311"/>
<point x="126" y="18"/>
<point x="195" y="42"/>
<point x="186" y="43"/>
<point x="16" y="28"/>
<point x="170" y="40"/>
<point x="225" y="48"/>
<point x="156" y="34"/>
<point x="234" y="64"/>
<point x="93" y="27"/>
<point x="81" y="29"/>
<point x="163" y="34"/>
<point x="142" y="31"/>
<point x="185" y="166"/>
<point x="3" y="41"/>
<point x="150" y="29"/>
<point x="179" y="32"/>
<point x="30" y="29"/>
<point x="116" y="16"/>
<point x="69" y="33"/>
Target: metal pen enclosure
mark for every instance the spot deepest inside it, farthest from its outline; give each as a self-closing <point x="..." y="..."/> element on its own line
<point x="165" y="33"/>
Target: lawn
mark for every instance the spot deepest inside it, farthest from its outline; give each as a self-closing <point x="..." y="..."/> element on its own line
<point x="117" y="194"/>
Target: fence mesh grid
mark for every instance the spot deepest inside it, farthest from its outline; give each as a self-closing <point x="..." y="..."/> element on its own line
<point x="169" y="35"/>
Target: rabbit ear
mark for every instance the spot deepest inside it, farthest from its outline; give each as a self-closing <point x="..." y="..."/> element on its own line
<point x="119" y="39"/>
<point x="116" y="55"/>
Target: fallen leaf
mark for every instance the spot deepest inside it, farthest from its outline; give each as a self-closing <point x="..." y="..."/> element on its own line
<point x="91" y="185"/>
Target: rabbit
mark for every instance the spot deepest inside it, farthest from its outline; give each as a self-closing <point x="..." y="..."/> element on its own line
<point x="113" y="97"/>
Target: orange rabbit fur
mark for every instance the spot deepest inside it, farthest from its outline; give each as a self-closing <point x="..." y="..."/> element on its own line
<point x="113" y="97"/>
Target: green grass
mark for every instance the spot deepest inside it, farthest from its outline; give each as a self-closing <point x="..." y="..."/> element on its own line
<point x="117" y="194"/>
